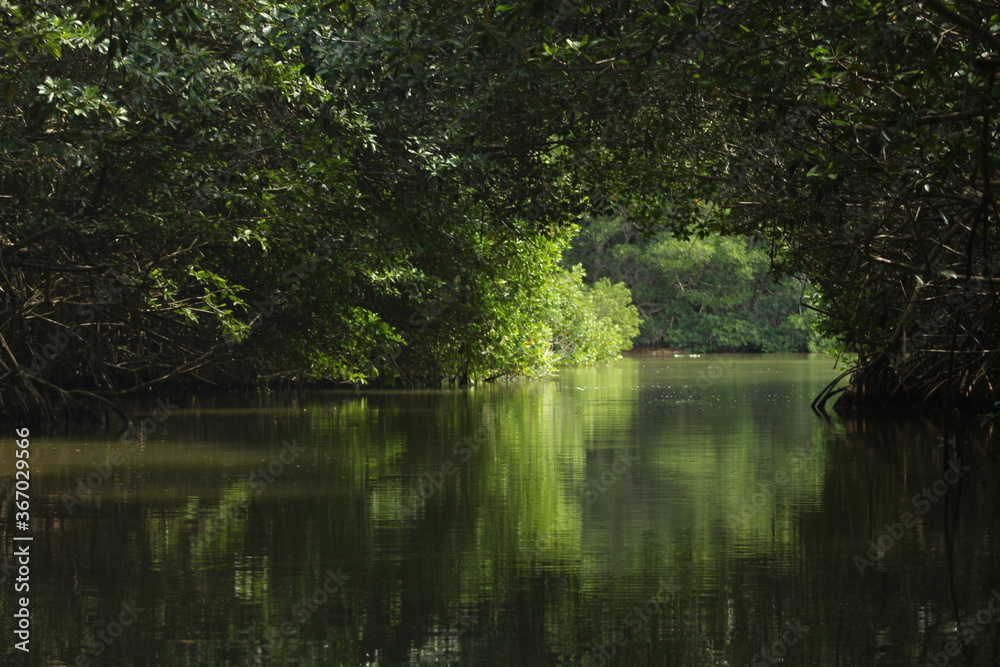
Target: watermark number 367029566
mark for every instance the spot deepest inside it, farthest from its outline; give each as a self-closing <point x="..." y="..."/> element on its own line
<point x="22" y="541"/>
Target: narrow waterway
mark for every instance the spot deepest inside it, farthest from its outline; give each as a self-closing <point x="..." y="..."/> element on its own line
<point x="656" y="511"/>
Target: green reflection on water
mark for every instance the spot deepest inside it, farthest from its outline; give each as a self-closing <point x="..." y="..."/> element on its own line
<point x="657" y="510"/>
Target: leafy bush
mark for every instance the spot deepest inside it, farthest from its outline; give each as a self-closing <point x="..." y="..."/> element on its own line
<point x="520" y="313"/>
<point x="589" y="323"/>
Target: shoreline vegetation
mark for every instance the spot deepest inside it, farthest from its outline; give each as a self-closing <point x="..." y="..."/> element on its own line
<point x="409" y="194"/>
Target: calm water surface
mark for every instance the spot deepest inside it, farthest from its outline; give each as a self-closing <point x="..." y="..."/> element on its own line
<point x="657" y="511"/>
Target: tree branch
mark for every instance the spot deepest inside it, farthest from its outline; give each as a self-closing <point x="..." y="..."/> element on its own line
<point x="952" y="16"/>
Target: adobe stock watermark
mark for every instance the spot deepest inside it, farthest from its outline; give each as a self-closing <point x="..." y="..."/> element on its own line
<point x="266" y="308"/>
<point x="98" y="641"/>
<point x="59" y="341"/>
<point x="134" y="437"/>
<point x="302" y="611"/>
<point x="635" y="621"/>
<point x="420" y="318"/>
<point x="926" y="333"/>
<point x="922" y="503"/>
<point x="795" y="462"/>
<point x="710" y="375"/>
<point x="462" y="624"/>
<point x="775" y="653"/>
<point x="595" y="488"/>
<point x="970" y="629"/>
<point x="429" y="483"/>
<point x="256" y="483"/>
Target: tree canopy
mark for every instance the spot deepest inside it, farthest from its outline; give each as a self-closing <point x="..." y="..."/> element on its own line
<point x="865" y="154"/>
<point x="858" y="139"/>
<point x="221" y="192"/>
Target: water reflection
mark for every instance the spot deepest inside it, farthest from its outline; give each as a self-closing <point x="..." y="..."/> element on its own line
<point x="655" y="511"/>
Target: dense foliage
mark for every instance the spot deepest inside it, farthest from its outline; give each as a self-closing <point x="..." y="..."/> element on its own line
<point x="858" y="139"/>
<point x="703" y="294"/>
<point x="222" y="192"/>
<point x="227" y="191"/>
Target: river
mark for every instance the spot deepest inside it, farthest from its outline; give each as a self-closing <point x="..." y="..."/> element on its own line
<point x="654" y="511"/>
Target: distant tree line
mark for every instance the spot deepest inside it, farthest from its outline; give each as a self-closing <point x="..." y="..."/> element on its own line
<point x="711" y="294"/>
